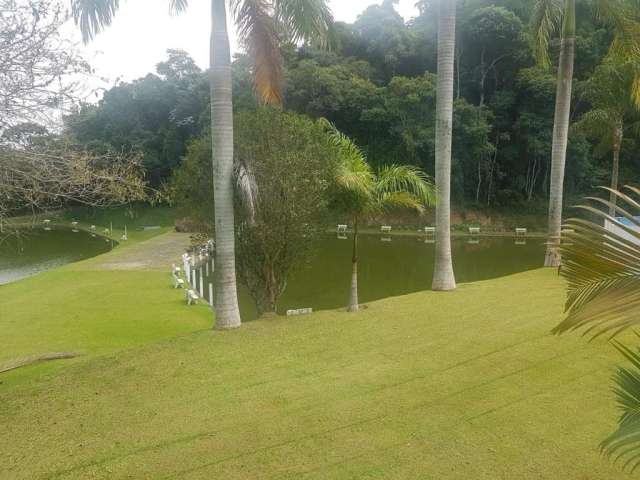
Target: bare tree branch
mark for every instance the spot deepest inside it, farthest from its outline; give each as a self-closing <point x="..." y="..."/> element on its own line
<point x="37" y="64"/>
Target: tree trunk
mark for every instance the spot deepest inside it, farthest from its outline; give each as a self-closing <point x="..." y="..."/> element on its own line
<point x="458" y="68"/>
<point x="492" y="166"/>
<point x="443" y="277"/>
<point x="266" y="306"/>
<point x="561" y="134"/>
<point x="479" y="182"/>
<point x="226" y="301"/>
<point x="615" y="171"/>
<point x="354" y="306"/>
<point x="483" y="77"/>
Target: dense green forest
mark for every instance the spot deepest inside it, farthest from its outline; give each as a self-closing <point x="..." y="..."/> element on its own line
<point x="377" y="84"/>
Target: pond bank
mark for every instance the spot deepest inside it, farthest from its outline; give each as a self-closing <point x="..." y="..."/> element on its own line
<point x="111" y="302"/>
<point x="158" y="253"/>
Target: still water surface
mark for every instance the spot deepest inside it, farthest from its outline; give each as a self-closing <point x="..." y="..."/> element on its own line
<point x="397" y="267"/>
<point x="33" y="251"/>
<point x="387" y="268"/>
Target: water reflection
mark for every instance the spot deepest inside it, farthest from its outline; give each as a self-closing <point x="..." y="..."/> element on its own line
<point x="391" y="266"/>
<point x="35" y="250"/>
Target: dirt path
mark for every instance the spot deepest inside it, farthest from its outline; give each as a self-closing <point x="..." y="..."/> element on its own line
<point x="157" y="253"/>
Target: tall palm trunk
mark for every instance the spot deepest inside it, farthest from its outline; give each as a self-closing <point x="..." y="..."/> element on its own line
<point x="226" y="301"/>
<point x="353" y="296"/>
<point x="561" y="132"/>
<point x="615" y="170"/>
<point x="443" y="277"/>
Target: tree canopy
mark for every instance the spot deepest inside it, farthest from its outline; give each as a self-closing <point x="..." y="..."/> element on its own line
<point x="377" y="85"/>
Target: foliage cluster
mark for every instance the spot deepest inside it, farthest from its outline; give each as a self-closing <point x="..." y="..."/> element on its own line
<point x="284" y="164"/>
<point x="377" y="86"/>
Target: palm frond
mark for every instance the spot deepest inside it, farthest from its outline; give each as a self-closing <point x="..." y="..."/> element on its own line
<point x="178" y="6"/>
<point x="623" y="17"/>
<point x="602" y="267"/>
<point x="93" y="15"/>
<point x="353" y="173"/>
<point x="258" y="33"/>
<point x="624" y="444"/>
<point x="246" y="188"/>
<point x="545" y="23"/>
<point x="401" y="200"/>
<point x="634" y="128"/>
<point x="600" y="124"/>
<point x="305" y="20"/>
<point x="635" y="90"/>
<point x="394" y="186"/>
<point x="406" y="179"/>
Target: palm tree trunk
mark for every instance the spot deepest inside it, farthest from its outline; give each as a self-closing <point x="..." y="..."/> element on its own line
<point x="354" y="306"/>
<point x="443" y="277"/>
<point x="615" y="171"/>
<point x="226" y="301"/>
<point x="561" y="133"/>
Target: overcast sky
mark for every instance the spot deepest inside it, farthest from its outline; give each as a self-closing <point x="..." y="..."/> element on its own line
<point x="143" y="30"/>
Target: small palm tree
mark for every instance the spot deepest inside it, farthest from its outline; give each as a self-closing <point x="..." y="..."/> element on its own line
<point x="261" y="24"/>
<point x="361" y="192"/>
<point x="552" y="17"/>
<point x="602" y="269"/>
<point x="614" y="113"/>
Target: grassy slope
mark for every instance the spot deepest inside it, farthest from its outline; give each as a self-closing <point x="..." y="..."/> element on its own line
<point x="79" y="308"/>
<point x="461" y="385"/>
<point x="92" y="312"/>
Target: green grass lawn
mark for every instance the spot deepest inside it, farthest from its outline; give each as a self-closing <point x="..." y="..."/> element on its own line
<point x="92" y="312"/>
<point x="460" y="385"/>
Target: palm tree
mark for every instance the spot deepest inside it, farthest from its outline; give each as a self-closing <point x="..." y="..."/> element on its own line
<point x="559" y="16"/>
<point x="361" y="193"/>
<point x="614" y="112"/>
<point x="260" y="25"/>
<point x="443" y="276"/>
<point x="602" y="269"/>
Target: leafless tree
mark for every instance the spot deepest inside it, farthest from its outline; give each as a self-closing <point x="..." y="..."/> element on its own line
<point x="40" y="74"/>
<point x="39" y="179"/>
<point x="39" y="67"/>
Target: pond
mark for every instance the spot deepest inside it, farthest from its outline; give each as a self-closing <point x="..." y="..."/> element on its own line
<point x="389" y="266"/>
<point x="392" y="266"/>
<point x="35" y="250"/>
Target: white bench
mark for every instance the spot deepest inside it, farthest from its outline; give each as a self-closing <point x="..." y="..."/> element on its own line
<point x="430" y="230"/>
<point x="177" y="281"/>
<point x="521" y="236"/>
<point x="385" y="229"/>
<point x="474" y="230"/>
<point x="192" y="297"/>
<point x="342" y="228"/>
<point x="299" y="311"/>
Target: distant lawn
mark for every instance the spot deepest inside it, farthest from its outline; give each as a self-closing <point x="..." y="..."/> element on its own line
<point x="92" y="312"/>
<point x="465" y="385"/>
<point x="134" y="217"/>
